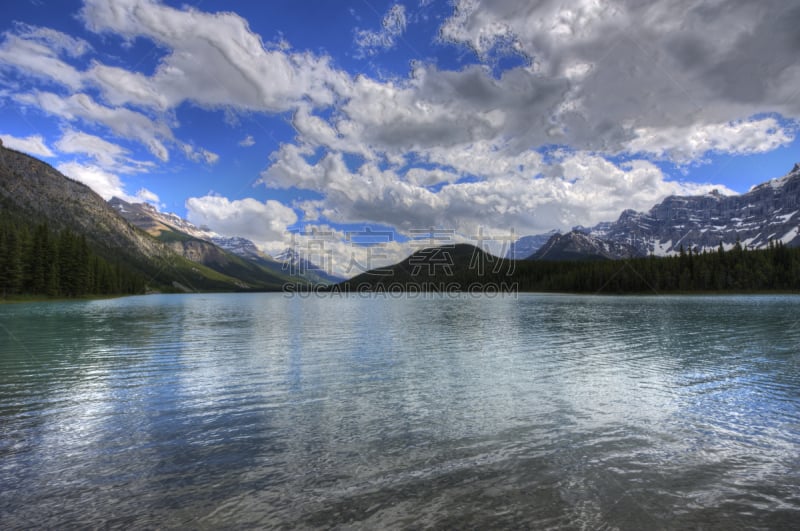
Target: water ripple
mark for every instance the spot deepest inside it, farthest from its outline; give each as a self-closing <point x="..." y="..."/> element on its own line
<point x="533" y="412"/>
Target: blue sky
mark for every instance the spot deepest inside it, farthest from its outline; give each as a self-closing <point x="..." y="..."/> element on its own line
<point x="259" y="118"/>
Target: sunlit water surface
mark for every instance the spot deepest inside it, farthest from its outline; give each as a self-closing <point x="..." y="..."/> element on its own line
<point x="203" y="411"/>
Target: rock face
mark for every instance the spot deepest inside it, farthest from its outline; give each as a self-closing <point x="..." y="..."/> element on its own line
<point x="769" y="211"/>
<point x="176" y="233"/>
<point x="240" y="247"/>
<point x="576" y="245"/>
<point x="149" y="219"/>
<point x="36" y="190"/>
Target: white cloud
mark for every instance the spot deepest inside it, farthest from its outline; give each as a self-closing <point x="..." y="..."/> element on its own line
<point x="33" y="145"/>
<point x="104" y="183"/>
<point x="57" y="41"/>
<point x="684" y="144"/>
<point x="209" y="157"/>
<point x="261" y="222"/>
<point x="36" y="51"/>
<point x="103" y="151"/>
<point x="122" y="87"/>
<point x="107" y="155"/>
<point x="213" y="59"/>
<point x="578" y="189"/>
<point x="121" y="121"/>
<point x="634" y="67"/>
<point x="247" y="141"/>
<point x="199" y="154"/>
<point x="143" y="195"/>
<point x="393" y="26"/>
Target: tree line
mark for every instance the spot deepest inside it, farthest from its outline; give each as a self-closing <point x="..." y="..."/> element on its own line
<point x="773" y="268"/>
<point x="35" y="260"/>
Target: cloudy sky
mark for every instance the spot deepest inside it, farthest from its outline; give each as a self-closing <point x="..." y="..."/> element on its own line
<point x="262" y="118"/>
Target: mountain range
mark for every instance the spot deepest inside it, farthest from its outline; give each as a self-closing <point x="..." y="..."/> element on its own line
<point x="768" y="212"/>
<point x="576" y="245"/>
<point x="236" y="255"/>
<point x="167" y="251"/>
<point x="174" y="254"/>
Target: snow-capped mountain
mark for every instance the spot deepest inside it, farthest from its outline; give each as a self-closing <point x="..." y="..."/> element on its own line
<point x="202" y="242"/>
<point x="576" y="245"/>
<point x="240" y="247"/>
<point x="148" y="218"/>
<point x="769" y="211"/>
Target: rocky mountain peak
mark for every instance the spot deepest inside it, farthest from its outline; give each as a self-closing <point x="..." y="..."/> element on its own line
<point x="769" y="211"/>
<point x="577" y="245"/>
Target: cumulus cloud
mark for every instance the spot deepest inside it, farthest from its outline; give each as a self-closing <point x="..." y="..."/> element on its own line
<point x="247" y="141"/>
<point x="393" y="26"/>
<point x="603" y="77"/>
<point x="33" y="145"/>
<point x="262" y="222"/>
<point x="214" y="60"/>
<point x="447" y="109"/>
<point x="524" y="147"/>
<point x="577" y="189"/>
<point x="635" y="66"/>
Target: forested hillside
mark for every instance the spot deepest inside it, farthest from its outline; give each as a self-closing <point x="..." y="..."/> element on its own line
<point x="34" y="260"/>
<point x="776" y="268"/>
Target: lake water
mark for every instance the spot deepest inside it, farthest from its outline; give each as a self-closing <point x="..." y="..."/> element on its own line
<point x="537" y="411"/>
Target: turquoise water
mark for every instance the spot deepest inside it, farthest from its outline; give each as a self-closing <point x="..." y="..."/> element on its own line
<point x="206" y="411"/>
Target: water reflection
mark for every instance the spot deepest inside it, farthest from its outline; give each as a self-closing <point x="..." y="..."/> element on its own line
<point x="258" y="410"/>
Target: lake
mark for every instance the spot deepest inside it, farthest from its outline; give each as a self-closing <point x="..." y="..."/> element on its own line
<point x="535" y="411"/>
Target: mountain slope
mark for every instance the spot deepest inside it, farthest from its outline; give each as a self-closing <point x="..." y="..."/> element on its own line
<point x="769" y="211"/>
<point x="33" y="191"/>
<point x="202" y="245"/>
<point x="190" y="242"/>
<point x="578" y="246"/>
<point x="33" y="188"/>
